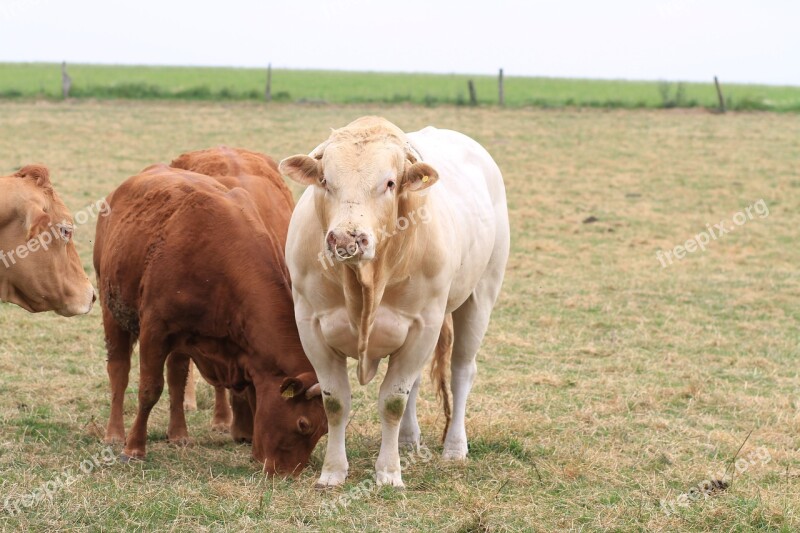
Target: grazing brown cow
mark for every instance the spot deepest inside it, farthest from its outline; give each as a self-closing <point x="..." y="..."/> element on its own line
<point x="39" y="267"/>
<point x="191" y="266"/>
<point x="273" y="201"/>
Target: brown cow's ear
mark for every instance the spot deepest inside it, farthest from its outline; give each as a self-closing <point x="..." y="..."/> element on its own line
<point x="419" y="176"/>
<point x="303" y="170"/>
<point x="38" y="173"/>
<point x="295" y="386"/>
<point x="38" y="223"/>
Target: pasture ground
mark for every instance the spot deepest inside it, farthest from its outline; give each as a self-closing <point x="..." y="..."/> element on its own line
<point x="607" y="384"/>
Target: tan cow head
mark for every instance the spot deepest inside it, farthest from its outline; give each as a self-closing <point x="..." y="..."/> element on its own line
<point x="39" y="267"/>
<point x="364" y="175"/>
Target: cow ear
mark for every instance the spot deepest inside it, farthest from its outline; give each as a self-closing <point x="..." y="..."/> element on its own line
<point x="38" y="223"/>
<point x="291" y="387"/>
<point x="38" y="173"/>
<point x="419" y="176"/>
<point x="303" y="169"/>
<point x="295" y="386"/>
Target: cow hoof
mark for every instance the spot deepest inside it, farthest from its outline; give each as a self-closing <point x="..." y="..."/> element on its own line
<point x="410" y="441"/>
<point x="391" y="479"/>
<point x="330" y="479"/>
<point x="125" y="458"/>
<point x="454" y="454"/>
<point x="190" y="406"/>
<point x="182" y="441"/>
<point x="221" y="427"/>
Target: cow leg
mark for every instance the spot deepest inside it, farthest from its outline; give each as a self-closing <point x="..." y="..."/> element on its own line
<point x="331" y="370"/>
<point x="190" y="396"/>
<point x="152" y="356"/>
<point x="470" y="322"/>
<point x="242" y="414"/>
<point x="404" y="370"/>
<point x="119" y="344"/>
<point x="178" y="371"/>
<point x="222" y="411"/>
<point x="409" y="426"/>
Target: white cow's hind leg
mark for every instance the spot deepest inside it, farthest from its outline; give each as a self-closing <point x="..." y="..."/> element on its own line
<point x="470" y="322"/>
<point x="409" y="426"/>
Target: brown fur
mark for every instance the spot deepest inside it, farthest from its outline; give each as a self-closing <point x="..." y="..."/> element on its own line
<point x="199" y="260"/>
<point x="38" y="173"/>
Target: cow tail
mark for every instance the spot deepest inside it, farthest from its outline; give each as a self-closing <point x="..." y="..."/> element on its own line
<point x="440" y="366"/>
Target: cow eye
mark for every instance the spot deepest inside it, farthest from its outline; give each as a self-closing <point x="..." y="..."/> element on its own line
<point x="323" y="183"/>
<point x="65" y="231"/>
<point x="304" y="426"/>
<point x="390" y="185"/>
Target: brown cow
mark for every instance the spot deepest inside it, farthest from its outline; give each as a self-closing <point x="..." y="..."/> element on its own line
<point x="274" y="201"/>
<point x="39" y="267"/>
<point x="191" y="266"/>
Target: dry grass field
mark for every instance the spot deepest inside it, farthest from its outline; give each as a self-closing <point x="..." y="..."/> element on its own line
<point x="608" y="387"/>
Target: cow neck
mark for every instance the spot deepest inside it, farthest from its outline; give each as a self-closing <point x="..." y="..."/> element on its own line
<point x="265" y="319"/>
<point x="364" y="284"/>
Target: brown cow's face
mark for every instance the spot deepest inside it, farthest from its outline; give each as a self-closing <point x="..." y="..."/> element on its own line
<point x="358" y="192"/>
<point x="39" y="266"/>
<point x="289" y="422"/>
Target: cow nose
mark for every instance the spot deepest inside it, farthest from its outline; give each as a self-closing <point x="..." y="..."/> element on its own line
<point x="362" y="239"/>
<point x="94" y="296"/>
<point x="347" y="244"/>
<point x="331" y="239"/>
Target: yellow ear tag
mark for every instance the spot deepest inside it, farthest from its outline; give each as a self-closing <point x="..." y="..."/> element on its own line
<point x="288" y="393"/>
<point x="425" y="179"/>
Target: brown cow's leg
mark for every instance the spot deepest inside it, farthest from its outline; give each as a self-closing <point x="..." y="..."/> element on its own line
<point x="152" y="357"/>
<point x="242" y="425"/>
<point x="178" y="367"/>
<point x="190" y="396"/>
<point x="119" y="344"/>
<point x="222" y="411"/>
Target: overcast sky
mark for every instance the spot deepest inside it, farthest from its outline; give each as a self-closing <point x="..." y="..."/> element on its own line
<point x="744" y="41"/>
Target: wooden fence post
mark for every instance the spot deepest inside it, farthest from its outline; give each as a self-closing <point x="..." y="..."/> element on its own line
<point x="473" y="97"/>
<point x="268" y="90"/>
<point x="720" y="96"/>
<point x="66" y="81"/>
<point x="501" y="98"/>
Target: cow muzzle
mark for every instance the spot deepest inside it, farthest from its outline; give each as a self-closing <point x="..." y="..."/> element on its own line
<point x="81" y="303"/>
<point x="351" y="246"/>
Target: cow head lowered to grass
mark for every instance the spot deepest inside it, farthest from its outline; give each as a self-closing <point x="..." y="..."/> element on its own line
<point x="39" y="266"/>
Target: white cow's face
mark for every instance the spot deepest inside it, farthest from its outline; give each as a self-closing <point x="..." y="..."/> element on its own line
<point x="358" y="190"/>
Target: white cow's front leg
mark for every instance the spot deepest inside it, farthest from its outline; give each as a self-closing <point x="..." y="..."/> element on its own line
<point x="403" y="372"/>
<point x="409" y="426"/>
<point x="331" y="369"/>
<point x="336" y="399"/>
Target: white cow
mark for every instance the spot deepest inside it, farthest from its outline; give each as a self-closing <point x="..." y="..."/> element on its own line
<point x="394" y="233"/>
